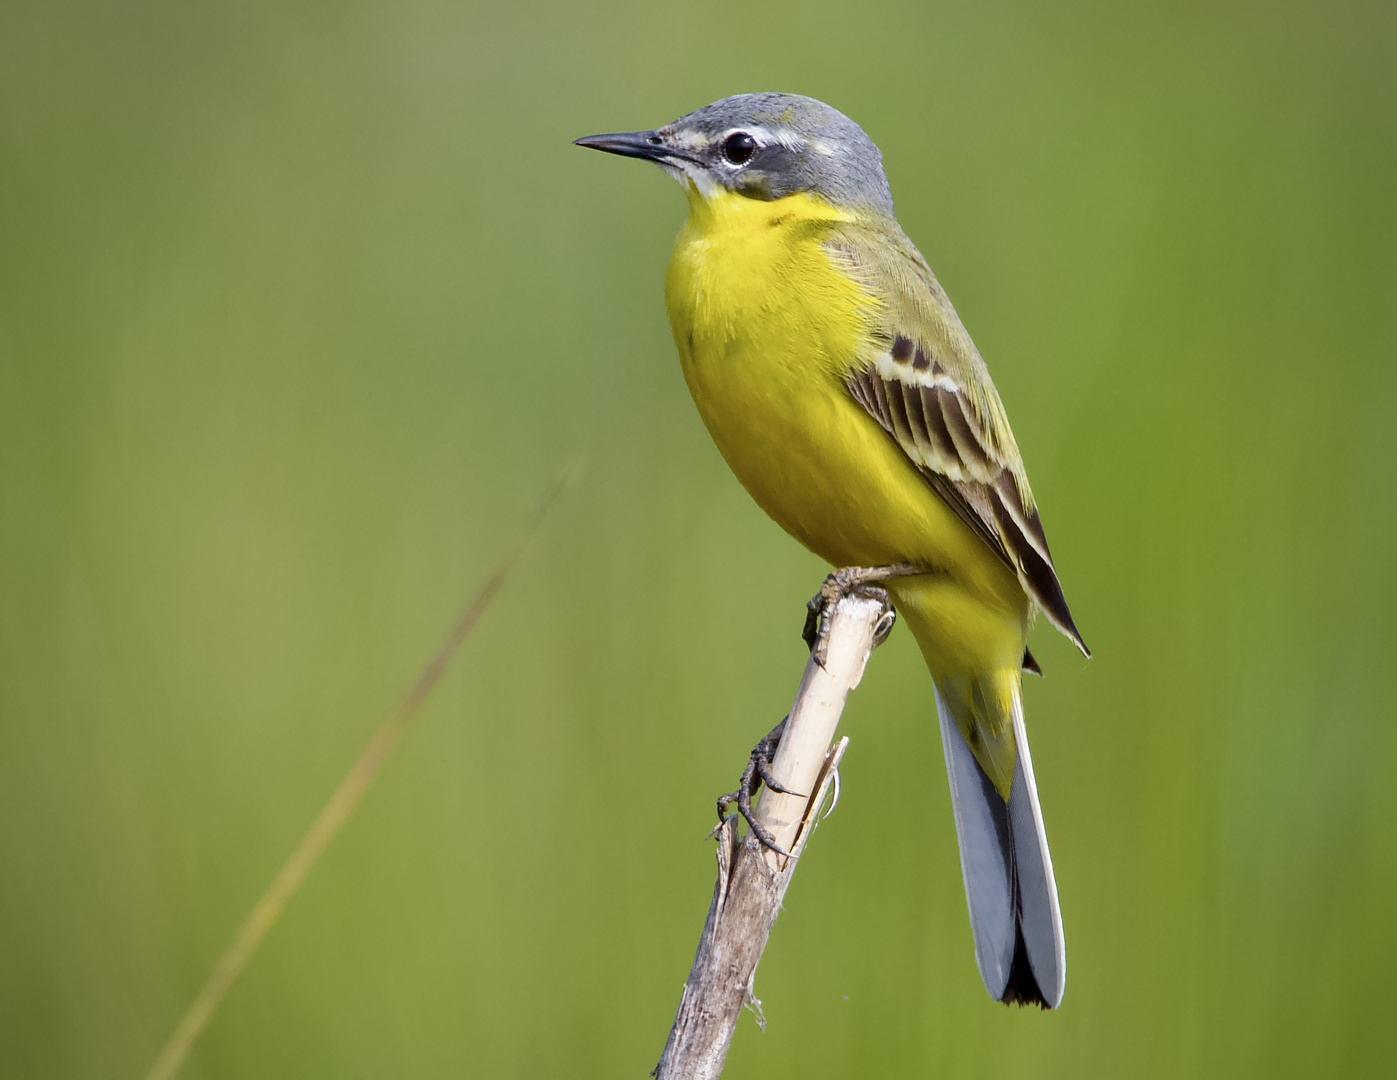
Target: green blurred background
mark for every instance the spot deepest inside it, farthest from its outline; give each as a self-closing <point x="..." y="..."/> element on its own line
<point x="302" y="306"/>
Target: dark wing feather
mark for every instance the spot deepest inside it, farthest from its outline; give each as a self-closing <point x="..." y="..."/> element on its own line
<point x="930" y="418"/>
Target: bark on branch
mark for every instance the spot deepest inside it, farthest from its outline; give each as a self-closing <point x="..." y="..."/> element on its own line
<point x="753" y="879"/>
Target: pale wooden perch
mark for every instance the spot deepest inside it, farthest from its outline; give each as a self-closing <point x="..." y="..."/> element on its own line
<point x="753" y="879"/>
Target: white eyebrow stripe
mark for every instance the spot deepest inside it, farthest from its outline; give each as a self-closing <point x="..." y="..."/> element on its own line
<point x="766" y="136"/>
<point x="789" y="139"/>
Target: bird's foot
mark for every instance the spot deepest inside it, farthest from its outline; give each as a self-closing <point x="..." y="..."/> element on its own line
<point x="757" y="773"/>
<point x="850" y="581"/>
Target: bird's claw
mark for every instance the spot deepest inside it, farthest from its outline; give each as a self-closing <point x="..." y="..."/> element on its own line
<point x="850" y="581"/>
<point x="757" y="773"/>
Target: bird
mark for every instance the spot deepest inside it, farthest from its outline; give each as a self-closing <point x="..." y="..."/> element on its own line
<point x="845" y="394"/>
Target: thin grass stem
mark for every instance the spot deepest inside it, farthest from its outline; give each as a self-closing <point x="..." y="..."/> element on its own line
<point x="335" y="812"/>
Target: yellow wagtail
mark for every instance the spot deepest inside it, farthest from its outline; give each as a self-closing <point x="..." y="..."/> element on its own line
<point x="842" y="389"/>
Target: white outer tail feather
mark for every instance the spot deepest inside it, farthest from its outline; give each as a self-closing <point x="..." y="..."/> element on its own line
<point x="1005" y="865"/>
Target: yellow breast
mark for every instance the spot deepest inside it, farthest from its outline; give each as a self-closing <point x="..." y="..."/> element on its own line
<point x="747" y="273"/>
<point x="766" y="326"/>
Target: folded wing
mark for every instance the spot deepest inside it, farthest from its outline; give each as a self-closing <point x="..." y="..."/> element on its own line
<point x="927" y="410"/>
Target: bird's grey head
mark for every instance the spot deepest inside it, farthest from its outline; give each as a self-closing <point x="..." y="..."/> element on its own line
<point x="764" y="146"/>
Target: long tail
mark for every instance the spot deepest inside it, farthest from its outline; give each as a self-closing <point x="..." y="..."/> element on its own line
<point x="1008" y="872"/>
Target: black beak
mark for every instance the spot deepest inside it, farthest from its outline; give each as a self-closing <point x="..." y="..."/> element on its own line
<point x="638" y="144"/>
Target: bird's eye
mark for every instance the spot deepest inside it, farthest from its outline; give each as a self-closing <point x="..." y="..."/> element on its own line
<point x="739" y="147"/>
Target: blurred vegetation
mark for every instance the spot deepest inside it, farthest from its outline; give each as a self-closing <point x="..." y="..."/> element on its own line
<point x="301" y="305"/>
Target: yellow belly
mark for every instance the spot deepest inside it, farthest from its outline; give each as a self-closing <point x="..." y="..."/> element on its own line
<point x="767" y="329"/>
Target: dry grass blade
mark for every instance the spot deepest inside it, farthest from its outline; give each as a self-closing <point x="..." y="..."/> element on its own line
<point x="337" y="810"/>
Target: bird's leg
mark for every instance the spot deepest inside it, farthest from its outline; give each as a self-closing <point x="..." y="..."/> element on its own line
<point x="851" y="580"/>
<point x="757" y="773"/>
<point x="855" y="581"/>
